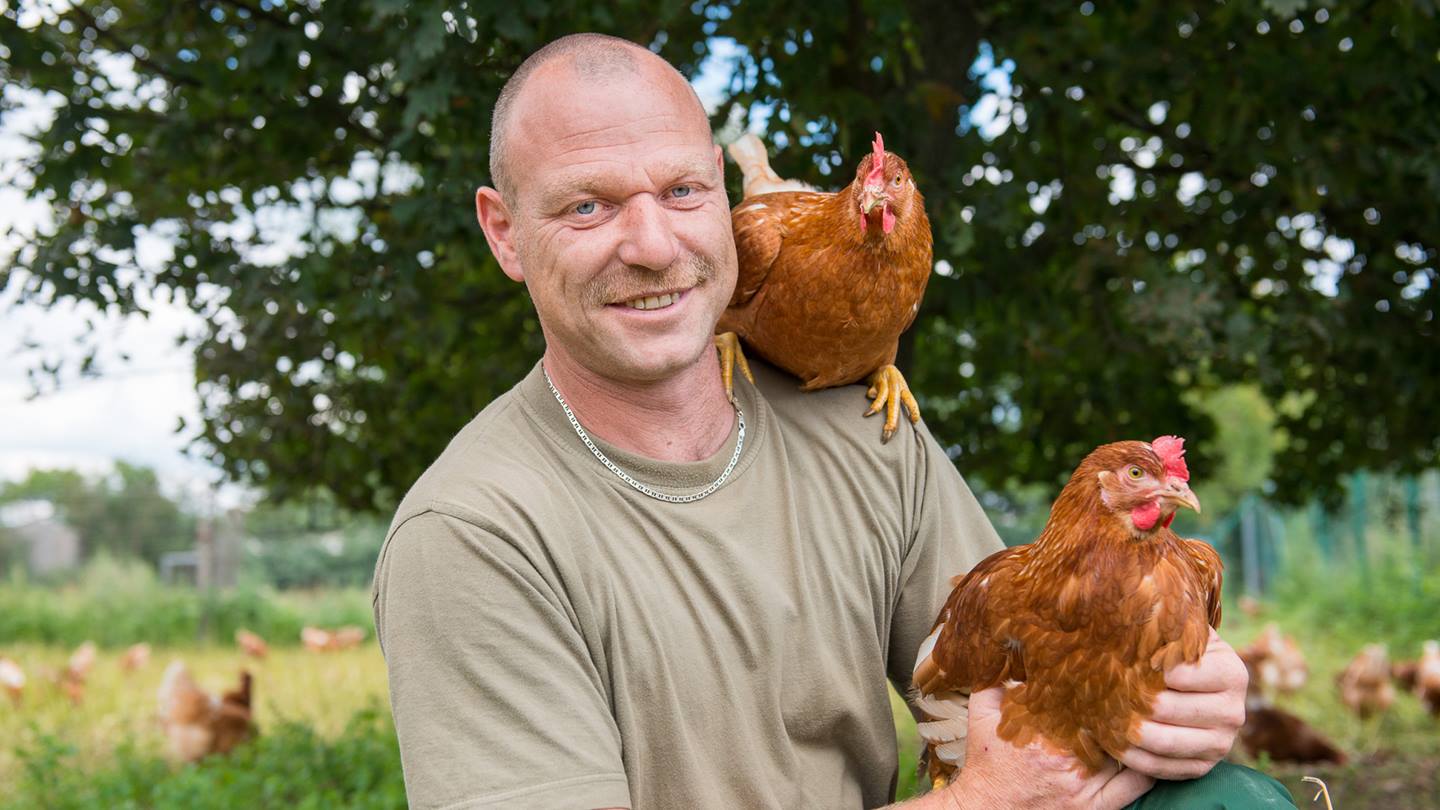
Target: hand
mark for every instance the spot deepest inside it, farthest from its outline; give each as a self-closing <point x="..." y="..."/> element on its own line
<point x="1196" y="718"/>
<point x="999" y="774"/>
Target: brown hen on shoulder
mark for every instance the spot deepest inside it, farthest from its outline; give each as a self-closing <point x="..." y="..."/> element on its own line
<point x="829" y="280"/>
<point x="1080" y="625"/>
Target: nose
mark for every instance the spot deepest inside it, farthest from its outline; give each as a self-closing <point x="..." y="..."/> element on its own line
<point x="649" y="240"/>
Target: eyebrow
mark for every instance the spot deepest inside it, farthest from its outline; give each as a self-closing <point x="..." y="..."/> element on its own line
<point x="594" y="183"/>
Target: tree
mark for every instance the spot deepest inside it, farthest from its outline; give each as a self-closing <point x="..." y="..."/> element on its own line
<point x="124" y="513"/>
<point x="1131" y="201"/>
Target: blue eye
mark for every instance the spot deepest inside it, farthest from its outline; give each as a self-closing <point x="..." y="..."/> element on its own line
<point x="681" y="191"/>
<point x="585" y="208"/>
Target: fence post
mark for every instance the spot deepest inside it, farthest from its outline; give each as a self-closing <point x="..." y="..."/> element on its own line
<point x="1249" y="552"/>
<point x="1357" y="520"/>
<point x="1412" y="517"/>
<point x="1320" y="521"/>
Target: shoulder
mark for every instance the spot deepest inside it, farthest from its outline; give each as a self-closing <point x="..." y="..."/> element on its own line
<point x="491" y="479"/>
<point x="832" y="421"/>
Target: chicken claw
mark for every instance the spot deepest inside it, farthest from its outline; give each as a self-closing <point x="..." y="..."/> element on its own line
<point x="889" y="390"/>
<point x="728" y="344"/>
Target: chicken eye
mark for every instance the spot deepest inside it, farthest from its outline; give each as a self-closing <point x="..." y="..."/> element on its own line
<point x="1136" y="473"/>
<point x="896" y="181"/>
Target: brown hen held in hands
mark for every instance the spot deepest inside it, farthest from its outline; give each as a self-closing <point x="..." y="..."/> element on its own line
<point x="1082" y="624"/>
<point x="829" y="281"/>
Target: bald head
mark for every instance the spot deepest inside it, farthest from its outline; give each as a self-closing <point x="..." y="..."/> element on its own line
<point x="580" y="59"/>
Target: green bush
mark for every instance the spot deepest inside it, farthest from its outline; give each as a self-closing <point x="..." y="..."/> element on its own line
<point x="116" y="603"/>
<point x="290" y="766"/>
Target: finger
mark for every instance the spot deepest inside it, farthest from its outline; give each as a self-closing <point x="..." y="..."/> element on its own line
<point x="1123" y="788"/>
<point x="1218" y="670"/>
<point x="1182" y="742"/>
<point x="1198" y="709"/>
<point x="1165" y="767"/>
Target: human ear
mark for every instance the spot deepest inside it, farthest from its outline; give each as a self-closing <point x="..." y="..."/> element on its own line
<point x="499" y="227"/>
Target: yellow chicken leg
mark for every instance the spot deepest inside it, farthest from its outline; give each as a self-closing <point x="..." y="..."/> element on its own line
<point x="728" y="344"/>
<point x="888" y="390"/>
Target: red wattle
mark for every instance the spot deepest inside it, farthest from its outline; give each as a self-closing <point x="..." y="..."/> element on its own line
<point x="887" y="219"/>
<point x="1170" y="518"/>
<point x="1145" y="516"/>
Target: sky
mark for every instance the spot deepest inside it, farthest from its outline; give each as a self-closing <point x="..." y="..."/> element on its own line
<point x="131" y="411"/>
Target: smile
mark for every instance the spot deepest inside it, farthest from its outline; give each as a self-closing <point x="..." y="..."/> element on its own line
<point x="653" y="301"/>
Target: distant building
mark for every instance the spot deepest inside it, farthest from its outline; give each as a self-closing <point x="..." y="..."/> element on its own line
<point x="46" y="543"/>
<point x="215" y="560"/>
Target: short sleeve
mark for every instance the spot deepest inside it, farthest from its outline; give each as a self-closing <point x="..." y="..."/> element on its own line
<point x="497" y="702"/>
<point x="951" y="535"/>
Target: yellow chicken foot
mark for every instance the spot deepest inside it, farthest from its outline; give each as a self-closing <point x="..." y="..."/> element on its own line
<point x="728" y="344"/>
<point x="888" y="390"/>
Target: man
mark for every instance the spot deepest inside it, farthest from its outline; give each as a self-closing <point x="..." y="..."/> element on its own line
<point x="615" y="588"/>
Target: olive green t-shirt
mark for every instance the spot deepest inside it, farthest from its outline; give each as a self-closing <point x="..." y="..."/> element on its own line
<point x="556" y="639"/>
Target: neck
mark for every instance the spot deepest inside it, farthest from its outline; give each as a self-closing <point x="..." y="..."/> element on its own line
<point x="684" y="417"/>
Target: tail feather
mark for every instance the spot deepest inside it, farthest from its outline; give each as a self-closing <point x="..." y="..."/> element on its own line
<point x="748" y="152"/>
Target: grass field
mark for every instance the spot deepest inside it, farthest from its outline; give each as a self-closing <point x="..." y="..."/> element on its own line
<point x="307" y="704"/>
<point x="293" y="687"/>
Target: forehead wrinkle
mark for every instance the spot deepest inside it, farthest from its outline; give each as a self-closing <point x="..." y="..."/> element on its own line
<point x="668" y="124"/>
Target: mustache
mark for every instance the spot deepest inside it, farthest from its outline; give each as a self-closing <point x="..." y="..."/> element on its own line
<point x="629" y="282"/>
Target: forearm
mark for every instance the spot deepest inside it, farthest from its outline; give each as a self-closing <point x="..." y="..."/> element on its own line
<point x="959" y="795"/>
<point x="934" y="800"/>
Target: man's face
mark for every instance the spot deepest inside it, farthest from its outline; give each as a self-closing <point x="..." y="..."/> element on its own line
<point x="621" y="223"/>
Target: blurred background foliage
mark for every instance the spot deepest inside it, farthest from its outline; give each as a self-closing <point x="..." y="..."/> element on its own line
<point x="1136" y="207"/>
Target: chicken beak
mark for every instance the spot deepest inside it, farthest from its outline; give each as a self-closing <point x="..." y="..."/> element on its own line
<point x="1179" y="493"/>
<point x="871" y="197"/>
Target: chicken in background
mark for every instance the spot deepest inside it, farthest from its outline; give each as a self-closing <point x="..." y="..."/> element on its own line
<point x="196" y="723"/>
<point x="1422" y="677"/>
<point x="252" y="644"/>
<point x="1365" y="686"/>
<point x="351" y="635"/>
<point x="135" y="657"/>
<point x="1279" y="664"/>
<point x="317" y="639"/>
<point x="1406" y="674"/>
<point x="1081" y="625"/>
<point x="12" y="680"/>
<point x="1250" y="606"/>
<point x="1283" y="736"/>
<point x="72" y="680"/>
<point x="829" y="281"/>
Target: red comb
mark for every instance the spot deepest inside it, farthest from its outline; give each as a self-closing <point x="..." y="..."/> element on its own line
<point x="877" y="164"/>
<point x="1171" y="450"/>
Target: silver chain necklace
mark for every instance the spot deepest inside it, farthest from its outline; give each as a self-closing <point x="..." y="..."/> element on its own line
<point x="624" y="476"/>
